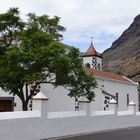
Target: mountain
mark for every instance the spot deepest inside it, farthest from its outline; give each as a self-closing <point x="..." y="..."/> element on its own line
<point x="123" y="57"/>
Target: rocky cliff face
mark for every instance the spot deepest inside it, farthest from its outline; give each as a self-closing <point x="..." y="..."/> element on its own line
<point x="123" y="57"/>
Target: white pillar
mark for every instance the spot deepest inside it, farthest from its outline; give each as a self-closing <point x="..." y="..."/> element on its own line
<point x="132" y="107"/>
<point x="40" y="104"/>
<point x="113" y="106"/>
<point x="85" y="105"/>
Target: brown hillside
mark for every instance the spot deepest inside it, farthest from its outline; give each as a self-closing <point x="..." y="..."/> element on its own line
<point x="123" y="56"/>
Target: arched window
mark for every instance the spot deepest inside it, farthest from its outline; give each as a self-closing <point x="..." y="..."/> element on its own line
<point x="127" y="99"/>
<point x="87" y="65"/>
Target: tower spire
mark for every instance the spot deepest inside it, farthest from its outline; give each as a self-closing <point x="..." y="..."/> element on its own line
<point x="91" y="40"/>
<point x="91" y="50"/>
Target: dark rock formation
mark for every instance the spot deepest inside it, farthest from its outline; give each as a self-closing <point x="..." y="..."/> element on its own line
<point x="123" y="57"/>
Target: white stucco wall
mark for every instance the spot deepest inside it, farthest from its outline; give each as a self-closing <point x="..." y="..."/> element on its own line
<point x="18" y="103"/>
<point x="89" y="60"/>
<point x="4" y="94"/>
<point x="114" y="87"/>
<point x="59" y="100"/>
<point x="36" y="125"/>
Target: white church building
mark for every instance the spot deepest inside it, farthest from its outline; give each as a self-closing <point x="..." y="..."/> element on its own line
<point x="110" y="86"/>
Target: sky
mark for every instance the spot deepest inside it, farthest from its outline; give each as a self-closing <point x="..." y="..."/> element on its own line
<point x="104" y="20"/>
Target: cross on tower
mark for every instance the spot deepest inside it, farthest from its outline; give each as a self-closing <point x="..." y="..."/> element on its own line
<point x="91" y="40"/>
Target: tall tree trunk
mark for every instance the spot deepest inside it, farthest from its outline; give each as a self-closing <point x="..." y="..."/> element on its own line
<point x="24" y="105"/>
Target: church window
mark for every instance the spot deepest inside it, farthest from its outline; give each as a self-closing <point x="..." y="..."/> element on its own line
<point x="127" y="99"/>
<point x="87" y="65"/>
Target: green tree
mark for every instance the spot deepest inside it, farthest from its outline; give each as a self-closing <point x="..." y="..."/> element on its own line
<point x="10" y="25"/>
<point x="81" y="82"/>
<point x="32" y="55"/>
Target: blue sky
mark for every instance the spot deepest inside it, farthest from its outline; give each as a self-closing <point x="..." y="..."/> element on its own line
<point x="101" y="43"/>
<point x="105" y="20"/>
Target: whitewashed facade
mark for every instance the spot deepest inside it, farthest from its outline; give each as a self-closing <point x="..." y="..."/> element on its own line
<point x="107" y="89"/>
<point x="110" y="86"/>
<point x="126" y="92"/>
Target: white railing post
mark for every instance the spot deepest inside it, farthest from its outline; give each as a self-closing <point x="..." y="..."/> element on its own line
<point x="40" y="104"/>
<point x="132" y="107"/>
<point x="113" y="106"/>
<point x="85" y="105"/>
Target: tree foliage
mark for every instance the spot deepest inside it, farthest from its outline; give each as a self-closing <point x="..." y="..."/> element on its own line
<point x="31" y="54"/>
<point x="80" y="83"/>
<point x="10" y="25"/>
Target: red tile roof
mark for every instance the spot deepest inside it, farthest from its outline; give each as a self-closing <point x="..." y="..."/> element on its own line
<point x="108" y="75"/>
<point x="91" y="50"/>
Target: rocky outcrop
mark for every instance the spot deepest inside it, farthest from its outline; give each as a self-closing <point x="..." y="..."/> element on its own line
<point x="123" y="57"/>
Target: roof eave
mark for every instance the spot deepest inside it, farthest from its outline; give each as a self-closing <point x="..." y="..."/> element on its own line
<point x="89" y="55"/>
<point x="130" y="83"/>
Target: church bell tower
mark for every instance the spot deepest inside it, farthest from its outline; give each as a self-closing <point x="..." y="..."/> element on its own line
<point x="91" y="58"/>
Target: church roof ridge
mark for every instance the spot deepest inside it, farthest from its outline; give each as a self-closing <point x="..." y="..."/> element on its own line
<point x="108" y="75"/>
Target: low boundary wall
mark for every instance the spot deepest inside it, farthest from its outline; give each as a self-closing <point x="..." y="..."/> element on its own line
<point x="40" y="124"/>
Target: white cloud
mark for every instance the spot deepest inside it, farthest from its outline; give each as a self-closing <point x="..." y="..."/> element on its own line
<point x="83" y="18"/>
